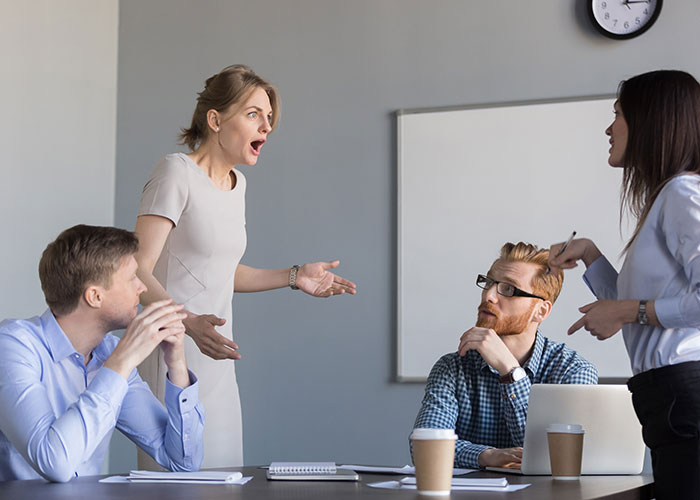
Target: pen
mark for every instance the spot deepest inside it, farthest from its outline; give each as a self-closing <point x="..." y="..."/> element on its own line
<point x="563" y="249"/>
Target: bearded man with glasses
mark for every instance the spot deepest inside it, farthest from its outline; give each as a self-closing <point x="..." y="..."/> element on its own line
<point x="482" y="390"/>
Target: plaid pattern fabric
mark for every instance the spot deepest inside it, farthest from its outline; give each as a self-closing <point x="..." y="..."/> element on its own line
<point x="464" y="394"/>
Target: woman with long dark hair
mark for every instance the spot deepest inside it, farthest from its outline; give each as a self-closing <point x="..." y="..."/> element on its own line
<point x="655" y="298"/>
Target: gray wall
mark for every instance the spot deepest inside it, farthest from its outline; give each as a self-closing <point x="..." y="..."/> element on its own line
<point x="58" y="95"/>
<point x="316" y="377"/>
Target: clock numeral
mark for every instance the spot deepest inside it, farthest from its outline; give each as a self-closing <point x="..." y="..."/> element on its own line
<point x="626" y="25"/>
<point x="637" y="20"/>
<point x="646" y="12"/>
<point x="604" y="5"/>
<point x="607" y="16"/>
<point x="614" y="22"/>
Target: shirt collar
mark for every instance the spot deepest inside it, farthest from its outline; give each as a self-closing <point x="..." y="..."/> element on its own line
<point x="533" y="362"/>
<point x="59" y="345"/>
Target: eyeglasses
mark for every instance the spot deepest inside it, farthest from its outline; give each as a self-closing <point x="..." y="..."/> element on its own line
<point x="505" y="289"/>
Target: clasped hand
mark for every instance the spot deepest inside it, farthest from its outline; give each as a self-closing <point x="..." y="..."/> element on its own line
<point x="159" y="322"/>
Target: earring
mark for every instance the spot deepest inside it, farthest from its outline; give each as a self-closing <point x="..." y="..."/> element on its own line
<point x="217" y="129"/>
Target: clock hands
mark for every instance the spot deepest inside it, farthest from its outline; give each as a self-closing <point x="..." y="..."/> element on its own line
<point x="627" y="3"/>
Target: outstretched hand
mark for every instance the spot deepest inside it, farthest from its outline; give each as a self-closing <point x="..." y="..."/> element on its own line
<point x="202" y="329"/>
<point x="316" y="279"/>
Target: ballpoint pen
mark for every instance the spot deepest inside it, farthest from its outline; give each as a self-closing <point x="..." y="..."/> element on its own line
<point x="563" y="249"/>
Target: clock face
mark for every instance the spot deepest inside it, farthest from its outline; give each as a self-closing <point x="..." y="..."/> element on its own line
<point x="623" y="18"/>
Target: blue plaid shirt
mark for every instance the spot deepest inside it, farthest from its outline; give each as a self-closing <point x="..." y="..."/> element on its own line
<point x="464" y="394"/>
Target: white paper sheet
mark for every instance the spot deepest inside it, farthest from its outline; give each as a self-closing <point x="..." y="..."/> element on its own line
<point x="405" y="470"/>
<point x="398" y="485"/>
<point x="203" y="477"/>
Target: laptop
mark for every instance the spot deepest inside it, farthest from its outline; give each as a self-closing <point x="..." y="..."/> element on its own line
<point x="612" y="443"/>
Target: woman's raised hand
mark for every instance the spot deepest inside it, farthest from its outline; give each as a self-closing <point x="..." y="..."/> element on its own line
<point x="316" y="279"/>
<point x="579" y="249"/>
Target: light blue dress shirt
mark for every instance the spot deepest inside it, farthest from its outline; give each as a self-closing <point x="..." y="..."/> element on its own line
<point x="663" y="265"/>
<point x="57" y="415"/>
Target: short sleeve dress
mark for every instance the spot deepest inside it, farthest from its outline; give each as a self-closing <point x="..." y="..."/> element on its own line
<point x="197" y="268"/>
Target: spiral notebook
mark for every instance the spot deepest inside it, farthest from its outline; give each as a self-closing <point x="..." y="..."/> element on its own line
<point x="309" y="471"/>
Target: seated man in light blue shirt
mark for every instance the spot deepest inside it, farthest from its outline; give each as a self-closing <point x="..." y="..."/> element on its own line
<point x="65" y="383"/>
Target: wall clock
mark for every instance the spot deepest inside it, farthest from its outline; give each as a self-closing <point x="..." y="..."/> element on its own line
<point x="622" y="19"/>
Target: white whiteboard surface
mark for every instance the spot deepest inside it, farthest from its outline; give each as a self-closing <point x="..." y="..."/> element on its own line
<point x="472" y="179"/>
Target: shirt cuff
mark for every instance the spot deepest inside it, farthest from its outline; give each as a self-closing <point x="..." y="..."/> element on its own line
<point x="110" y="386"/>
<point x="467" y="456"/>
<point x="601" y="278"/>
<point x="179" y="399"/>
<point x="518" y="392"/>
<point x="668" y="312"/>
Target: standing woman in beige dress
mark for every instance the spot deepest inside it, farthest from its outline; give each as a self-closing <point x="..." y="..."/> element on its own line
<point x="191" y="230"/>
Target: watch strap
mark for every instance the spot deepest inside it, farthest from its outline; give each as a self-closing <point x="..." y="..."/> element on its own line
<point x="642" y="317"/>
<point x="293" y="277"/>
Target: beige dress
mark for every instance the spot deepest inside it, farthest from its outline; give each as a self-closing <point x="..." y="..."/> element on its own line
<point x="197" y="268"/>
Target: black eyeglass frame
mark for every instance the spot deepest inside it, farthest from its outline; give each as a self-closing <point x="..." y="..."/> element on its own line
<point x="517" y="292"/>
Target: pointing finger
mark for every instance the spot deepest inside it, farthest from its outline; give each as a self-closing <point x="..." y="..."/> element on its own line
<point x="577" y="326"/>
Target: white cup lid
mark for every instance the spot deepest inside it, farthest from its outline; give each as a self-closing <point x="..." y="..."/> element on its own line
<point x="566" y="428"/>
<point x="422" y="433"/>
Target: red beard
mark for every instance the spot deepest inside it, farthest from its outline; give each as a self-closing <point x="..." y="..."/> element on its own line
<point x="501" y="324"/>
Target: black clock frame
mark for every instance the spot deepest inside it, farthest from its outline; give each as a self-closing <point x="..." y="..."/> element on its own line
<point x="615" y="36"/>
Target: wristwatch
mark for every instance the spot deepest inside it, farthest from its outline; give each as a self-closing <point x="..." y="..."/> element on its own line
<point x="293" y="277"/>
<point x="642" y="317"/>
<point x="517" y="373"/>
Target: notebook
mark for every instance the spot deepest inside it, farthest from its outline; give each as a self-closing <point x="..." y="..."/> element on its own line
<point x="309" y="471"/>
<point x="612" y="443"/>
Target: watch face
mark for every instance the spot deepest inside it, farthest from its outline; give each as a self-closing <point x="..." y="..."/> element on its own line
<point x="519" y="373"/>
<point x="623" y="18"/>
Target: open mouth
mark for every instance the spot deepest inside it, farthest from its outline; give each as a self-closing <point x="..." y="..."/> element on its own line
<point x="256" y="145"/>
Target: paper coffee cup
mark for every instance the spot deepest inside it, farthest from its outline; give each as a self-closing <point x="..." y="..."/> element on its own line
<point x="433" y="456"/>
<point x="565" y="450"/>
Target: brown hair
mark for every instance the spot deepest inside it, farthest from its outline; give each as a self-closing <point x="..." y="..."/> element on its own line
<point x="547" y="285"/>
<point x="662" y="111"/>
<point x="81" y="256"/>
<point x="222" y="92"/>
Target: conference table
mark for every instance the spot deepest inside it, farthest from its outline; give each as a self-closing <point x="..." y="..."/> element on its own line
<point x="259" y="488"/>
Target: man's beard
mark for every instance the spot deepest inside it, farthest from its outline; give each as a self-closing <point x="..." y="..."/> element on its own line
<point x="502" y="324"/>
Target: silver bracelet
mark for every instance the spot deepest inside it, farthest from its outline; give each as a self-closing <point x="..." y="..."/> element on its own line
<point x="293" y="277"/>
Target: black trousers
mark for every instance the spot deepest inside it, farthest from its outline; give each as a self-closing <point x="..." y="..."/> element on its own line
<point x="667" y="403"/>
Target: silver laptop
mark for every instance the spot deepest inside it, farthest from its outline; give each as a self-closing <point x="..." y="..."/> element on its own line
<point x="612" y="443"/>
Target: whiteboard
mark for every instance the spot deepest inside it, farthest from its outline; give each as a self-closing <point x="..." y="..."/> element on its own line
<point x="471" y="179"/>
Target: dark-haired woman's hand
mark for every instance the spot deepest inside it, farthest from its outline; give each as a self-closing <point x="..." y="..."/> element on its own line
<point x="202" y="329"/>
<point x="604" y="318"/>
<point x="316" y="279"/>
<point x="579" y="249"/>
